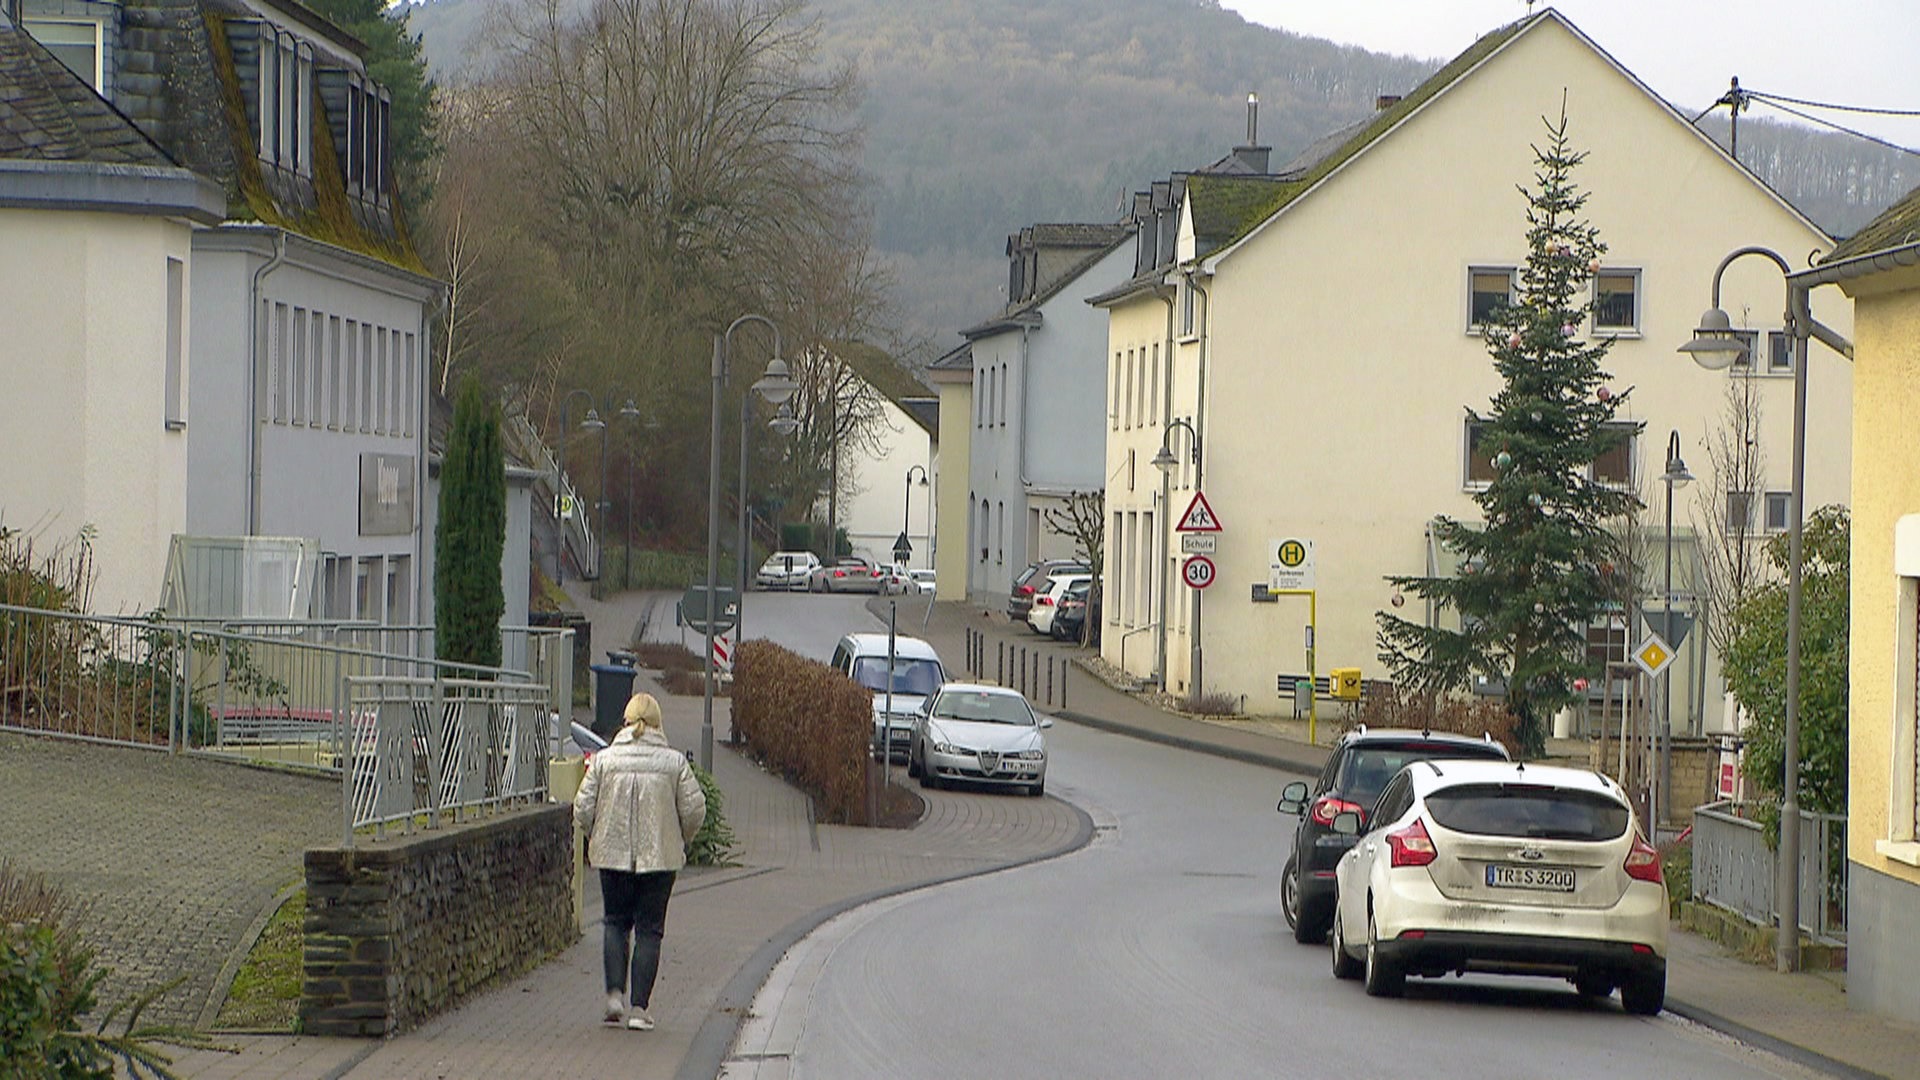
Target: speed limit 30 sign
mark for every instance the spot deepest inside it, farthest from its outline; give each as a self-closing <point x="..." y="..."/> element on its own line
<point x="1197" y="572"/>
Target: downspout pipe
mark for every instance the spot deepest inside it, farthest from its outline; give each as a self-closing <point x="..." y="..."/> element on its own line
<point x="254" y="356"/>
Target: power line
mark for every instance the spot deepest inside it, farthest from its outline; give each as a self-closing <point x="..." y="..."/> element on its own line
<point x="1830" y="105"/>
<point x="1875" y="139"/>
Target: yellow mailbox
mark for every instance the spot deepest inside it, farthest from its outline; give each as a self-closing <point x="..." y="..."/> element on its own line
<point x="1346" y="683"/>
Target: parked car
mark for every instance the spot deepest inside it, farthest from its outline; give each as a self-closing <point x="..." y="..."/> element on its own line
<point x="915" y="675"/>
<point x="897" y="579"/>
<point x="849" y="573"/>
<point x="787" y="570"/>
<point x="1361" y="764"/>
<point x="1046" y="600"/>
<point x="979" y="733"/>
<point x="1506" y="869"/>
<point x="922" y="580"/>
<point x="1020" y="601"/>
<point x="1075" y="608"/>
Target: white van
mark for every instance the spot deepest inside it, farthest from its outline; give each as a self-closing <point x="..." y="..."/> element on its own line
<point x="915" y="675"/>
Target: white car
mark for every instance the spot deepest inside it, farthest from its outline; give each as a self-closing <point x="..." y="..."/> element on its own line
<point x="979" y="733"/>
<point x="899" y="691"/>
<point x="922" y="580"/>
<point x="786" y="570"/>
<point x="1502" y="868"/>
<point x="1046" y="601"/>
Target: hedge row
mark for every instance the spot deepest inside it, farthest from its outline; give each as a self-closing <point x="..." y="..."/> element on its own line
<point x="808" y="722"/>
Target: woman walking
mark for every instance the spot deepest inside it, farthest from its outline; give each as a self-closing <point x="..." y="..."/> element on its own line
<point x="638" y="804"/>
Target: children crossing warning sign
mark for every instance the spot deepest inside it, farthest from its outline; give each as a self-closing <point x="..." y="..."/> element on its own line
<point x="1199" y="517"/>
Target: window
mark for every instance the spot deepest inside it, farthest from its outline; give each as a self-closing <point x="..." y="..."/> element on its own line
<point x="277" y="368"/>
<point x="986" y="529"/>
<point x="1779" y="510"/>
<point x="1779" y="352"/>
<point x="1153" y="384"/>
<point x="1606" y="641"/>
<point x="1479" y="461"/>
<point x="298" y="407"/>
<point x="1003" y="395"/>
<point x="175" y="416"/>
<point x="367" y="388"/>
<point x="317" y="362"/>
<point x="1739" y="512"/>
<point x="382" y="384"/>
<point x="1751" y="340"/>
<point x="408" y="390"/>
<point x="1186" y="310"/>
<point x="1113" y="413"/>
<point x="1614" y="466"/>
<point x="1118" y="539"/>
<point x="1000" y="534"/>
<point x="1126" y="403"/>
<point x="1489" y="288"/>
<point x="1147" y="543"/>
<point x="1616" y="302"/>
<point x="75" y="43"/>
<point x="348" y="378"/>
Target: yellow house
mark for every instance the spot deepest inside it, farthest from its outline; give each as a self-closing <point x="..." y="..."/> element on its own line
<point x="1314" y="332"/>
<point x="1879" y="267"/>
<point x="952" y="377"/>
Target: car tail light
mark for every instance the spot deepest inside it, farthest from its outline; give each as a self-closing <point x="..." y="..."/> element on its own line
<point x="1043" y="602"/>
<point x="1024" y="590"/>
<point x="1643" y="863"/>
<point x="1326" y="806"/>
<point x="1411" y="846"/>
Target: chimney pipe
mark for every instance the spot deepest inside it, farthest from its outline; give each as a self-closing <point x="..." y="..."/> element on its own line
<point x="1253" y="118"/>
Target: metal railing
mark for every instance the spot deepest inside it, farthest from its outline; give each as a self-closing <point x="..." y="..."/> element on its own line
<point x="576" y="532"/>
<point x="284" y="692"/>
<point x="422" y="750"/>
<point x="1733" y="867"/>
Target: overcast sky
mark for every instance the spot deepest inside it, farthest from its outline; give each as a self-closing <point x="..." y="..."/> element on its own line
<point x="1850" y="52"/>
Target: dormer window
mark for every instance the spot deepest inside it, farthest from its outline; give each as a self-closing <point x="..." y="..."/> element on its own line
<point x="75" y="43"/>
<point x="286" y="101"/>
<point x="369" y="107"/>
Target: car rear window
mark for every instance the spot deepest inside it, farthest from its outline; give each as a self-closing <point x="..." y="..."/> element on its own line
<point x="1534" y="811"/>
<point x="1369" y="767"/>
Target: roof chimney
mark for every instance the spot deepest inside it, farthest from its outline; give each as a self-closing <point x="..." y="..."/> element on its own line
<point x="1253" y="118"/>
<point x="1253" y="157"/>
<point x="1385" y="102"/>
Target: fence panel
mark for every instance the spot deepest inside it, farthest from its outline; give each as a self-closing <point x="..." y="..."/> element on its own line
<point x="90" y="677"/>
<point x="424" y="750"/>
<point x="1734" y="868"/>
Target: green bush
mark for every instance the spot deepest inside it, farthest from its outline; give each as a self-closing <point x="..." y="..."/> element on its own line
<point x="713" y="844"/>
<point x="809" y="723"/>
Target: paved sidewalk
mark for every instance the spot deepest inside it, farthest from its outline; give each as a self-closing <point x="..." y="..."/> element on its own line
<point x="1802" y="1016"/>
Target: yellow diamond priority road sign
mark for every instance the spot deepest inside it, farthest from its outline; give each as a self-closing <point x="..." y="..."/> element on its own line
<point x="1653" y="655"/>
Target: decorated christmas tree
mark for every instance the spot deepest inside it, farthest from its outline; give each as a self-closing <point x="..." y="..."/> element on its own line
<point x="1533" y="572"/>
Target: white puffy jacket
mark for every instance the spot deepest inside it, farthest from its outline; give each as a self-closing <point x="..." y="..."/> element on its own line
<point x="639" y="804"/>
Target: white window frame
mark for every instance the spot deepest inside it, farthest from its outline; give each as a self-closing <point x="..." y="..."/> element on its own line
<point x="1632" y="432"/>
<point x="1188" y="327"/>
<point x="1467" y="481"/>
<point x="1781" y="362"/>
<point x="1476" y="329"/>
<point x="1631" y="330"/>
<point x="38" y="26"/>
<point x="1782" y="499"/>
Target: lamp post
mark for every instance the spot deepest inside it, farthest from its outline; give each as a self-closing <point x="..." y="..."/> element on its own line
<point x="1675" y="476"/>
<point x="1714" y="347"/>
<point x="1166" y="462"/>
<point x="906" y="503"/>
<point x="776" y="386"/>
<point x="560" y="482"/>
<point x="630" y="412"/>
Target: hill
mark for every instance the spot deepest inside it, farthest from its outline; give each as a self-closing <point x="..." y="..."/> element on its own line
<point x="987" y="115"/>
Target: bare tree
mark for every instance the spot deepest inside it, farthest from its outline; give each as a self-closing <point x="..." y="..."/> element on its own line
<point x="1082" y="518"/>
<point x="1726" y="508"/>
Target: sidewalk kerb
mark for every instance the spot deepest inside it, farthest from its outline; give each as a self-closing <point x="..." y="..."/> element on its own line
<point x="711" y="1044"/>
<point x="1799" y="1055"/>
<point x="1197" y="745"/>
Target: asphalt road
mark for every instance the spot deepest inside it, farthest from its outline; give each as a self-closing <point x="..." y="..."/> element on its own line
<point x="1160" y="951"/>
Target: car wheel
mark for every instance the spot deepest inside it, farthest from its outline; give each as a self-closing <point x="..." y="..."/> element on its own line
<point x="929" y="780"/>
<point x="1384" y="979"/>
<point x="1037" y="790"/>
<point x="1644" y="993"/>
<point x="1592" y="986"/>
<point x="913" y="766"/>
<point x="1344" y="965"/>
<point x="1290" y="893"/>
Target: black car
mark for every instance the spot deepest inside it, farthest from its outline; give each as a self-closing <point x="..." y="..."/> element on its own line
<point x="1360" y="766"/>
<point x="1033" y="579"/>
<point x="1072" y="616"/>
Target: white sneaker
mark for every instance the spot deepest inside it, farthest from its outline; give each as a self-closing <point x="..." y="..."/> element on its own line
<point x="615" y="1010"/>
<point x="639" y="1020"/>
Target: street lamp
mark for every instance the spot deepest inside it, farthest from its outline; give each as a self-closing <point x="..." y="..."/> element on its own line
<point x="1715" y="346"/>
<point x="906" y="509"/>
<point x="560" y="481"/>
<point x="630" y="412"/>
<point x="1675" y="476"/>
<point x="776" y="386"/>
<point x="1166" y="463"/>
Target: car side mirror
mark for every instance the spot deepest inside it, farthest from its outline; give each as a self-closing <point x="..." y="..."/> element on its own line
<point x="1346" y="823"/>
<point x="1046" y="722"/>
<point x="1293" y="798"/>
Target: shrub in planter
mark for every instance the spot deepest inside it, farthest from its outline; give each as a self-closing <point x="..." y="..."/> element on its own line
<point x="1400" y="707"/>
<point x="807" y="721"/>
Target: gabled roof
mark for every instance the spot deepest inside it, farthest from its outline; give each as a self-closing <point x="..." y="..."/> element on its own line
<point x="894" y="382"/>
<point x="1439" y="82"/>
<point x="1897" y="226"/>
<point x="925" y="412"/>
<point x="48" y="113"/>
<point x="1027" y="312"/>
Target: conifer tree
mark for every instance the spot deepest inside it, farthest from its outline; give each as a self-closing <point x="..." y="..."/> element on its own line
<point x="467" y="599"/>
<point x="1533" y="571"/>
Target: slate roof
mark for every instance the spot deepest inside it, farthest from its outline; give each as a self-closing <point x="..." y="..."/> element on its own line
<point x="1010" y="316"/>
<point x="48" y="113"/>
<point x="882" y="372"/>
<point x="1068" y="234"/>
<point x="959" y="358"/>
<point x="925" y="412"/>
<point x="1897" y="226"/>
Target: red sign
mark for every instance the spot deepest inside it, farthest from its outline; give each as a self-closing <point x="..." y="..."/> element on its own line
<point x="1197" y="572"/>
<point x="1199" y="517"/>
<point x="1726" y="780"/>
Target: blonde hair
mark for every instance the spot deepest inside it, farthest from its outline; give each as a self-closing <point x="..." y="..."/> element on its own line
<point x="643" y="711"/>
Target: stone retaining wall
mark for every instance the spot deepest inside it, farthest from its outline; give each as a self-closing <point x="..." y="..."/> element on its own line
<point x="401" y="929"/>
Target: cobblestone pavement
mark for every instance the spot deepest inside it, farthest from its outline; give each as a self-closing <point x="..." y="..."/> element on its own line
<point x="176" y="857"/>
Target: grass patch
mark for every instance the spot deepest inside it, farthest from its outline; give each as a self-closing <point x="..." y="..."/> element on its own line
<point x="266" y="992"/>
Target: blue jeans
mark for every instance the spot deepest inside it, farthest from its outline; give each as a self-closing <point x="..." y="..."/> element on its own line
<point x="635" y="904"/>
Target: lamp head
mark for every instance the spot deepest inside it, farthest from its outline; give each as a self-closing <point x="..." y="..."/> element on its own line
<point x="1714" y="346"/>
<point x="593" y="421"/>
<point x="777" y="385"/>
<point x="784" y="422"/>
<point x="629" y="411"/>
<point x="1164" y="460"/>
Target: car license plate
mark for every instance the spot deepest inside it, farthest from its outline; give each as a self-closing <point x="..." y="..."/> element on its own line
<point x="1540" y="878"/>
